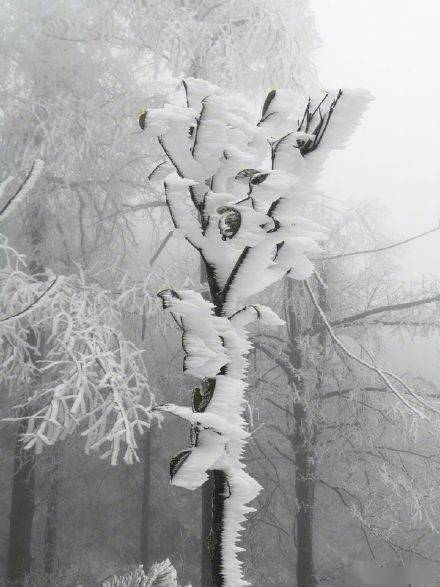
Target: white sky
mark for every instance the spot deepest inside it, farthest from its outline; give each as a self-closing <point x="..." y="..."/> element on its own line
<point x="391" y="48"/>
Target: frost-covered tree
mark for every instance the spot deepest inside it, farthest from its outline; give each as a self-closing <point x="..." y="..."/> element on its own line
<point x="72" y="104"/>
<point x="249" y="47"/>
<point x="86" y="103"/>
<point x="344" y="429"/>
<point x="67" y="366"/>
<point x="232" y="195"/>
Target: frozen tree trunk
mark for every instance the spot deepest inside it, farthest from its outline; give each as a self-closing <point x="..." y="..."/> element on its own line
<point x="23" y="484"/>
<point x="216" y="486"/>
<point x="22" y="511"/>
<point x="51" y="528"/>
<point x="219" y="494"/>
<point x="207" y="492"/>
<point x="146" y="497"/>
<point x="305" y="494"/>
<point x="302" y="442"/>
<point x="207" y="489"/>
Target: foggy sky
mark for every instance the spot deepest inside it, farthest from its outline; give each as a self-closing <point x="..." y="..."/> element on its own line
<point x="391" y="48"/>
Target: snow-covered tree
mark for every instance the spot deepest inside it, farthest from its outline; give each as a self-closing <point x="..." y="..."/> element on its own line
<point x="88" y="372"/>
<point x="232" y="195"/>
<point x="344" y="428"/>
<point x="67" y="366"/>
<point x="249" y="46"/>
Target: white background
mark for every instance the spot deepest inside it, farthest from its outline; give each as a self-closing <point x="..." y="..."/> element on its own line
<point x="391" y="48"/>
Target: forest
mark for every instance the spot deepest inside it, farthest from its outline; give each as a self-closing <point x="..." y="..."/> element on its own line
<point x="205" y="378"/>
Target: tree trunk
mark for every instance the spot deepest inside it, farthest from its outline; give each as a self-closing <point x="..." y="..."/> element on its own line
<point x="305" y="494"/>
<point x="23" y="485"/>
<point x="51" y="528"/>
<point x="22" y="511"/>
<point x="215" y="539"/>
<point x="146" y="496"/>
<point x="302" y="441"/>
<point x="210" y="536"/>
<point x="214" y="490"/>
<point x="207" y="492"/>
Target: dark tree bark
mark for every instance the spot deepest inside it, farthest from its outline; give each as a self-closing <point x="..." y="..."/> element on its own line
<point x="214" y="490"/>
<point x="22" y="511"/>
<point x="51" y="527"/>
<point x="146" y="497"/>
<point x="207" y="492"/>
<point x="305" y="494"/>
<point x="302" y="442"/>
<point x="215" y="538"/>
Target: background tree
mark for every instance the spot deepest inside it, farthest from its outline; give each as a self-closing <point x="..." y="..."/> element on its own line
<point x="356" y="440"/>
<point x="87" y="372"/>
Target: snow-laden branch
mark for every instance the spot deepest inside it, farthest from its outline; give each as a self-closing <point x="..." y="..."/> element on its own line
<point x="215" y="349"/>
<point x="89" y="379"/>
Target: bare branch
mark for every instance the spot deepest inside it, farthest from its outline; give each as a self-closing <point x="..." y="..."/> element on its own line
<point x="161" y="247"/>
<point x="383" y="375"/>
<point x="380" y="249"/>
<point x="339" y="392"/>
